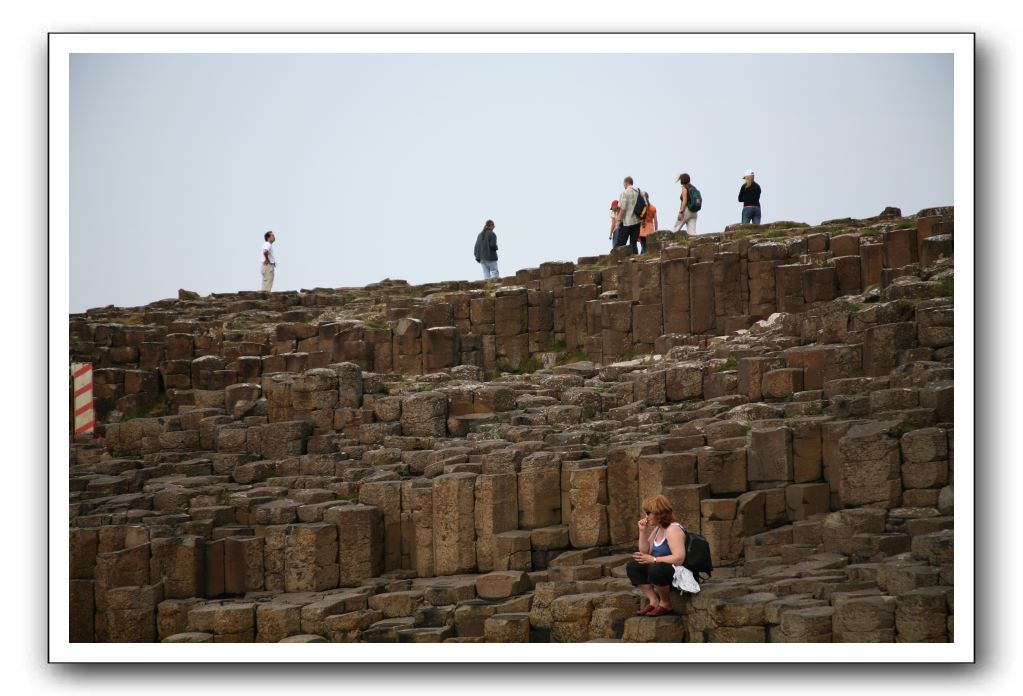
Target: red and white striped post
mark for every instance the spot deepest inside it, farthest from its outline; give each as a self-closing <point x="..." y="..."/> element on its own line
<point x="85" y="416"/>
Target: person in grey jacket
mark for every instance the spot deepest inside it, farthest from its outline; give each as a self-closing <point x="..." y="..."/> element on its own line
<point x="486" y="251"/>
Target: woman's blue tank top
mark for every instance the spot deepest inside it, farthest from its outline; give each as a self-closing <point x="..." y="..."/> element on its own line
<point x="660" y="549"/>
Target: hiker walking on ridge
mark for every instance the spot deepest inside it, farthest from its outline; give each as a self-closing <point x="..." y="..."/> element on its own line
<point x="627" y="215"/>
<point x="657" y="566"/>
<point x="649" y="223"/>
<point x="749" y="196"/>
<point x="691" y="202"/>
<point x="486" y="251"/>
<point x="615" y="225"/>
<point x="269" y="262"/>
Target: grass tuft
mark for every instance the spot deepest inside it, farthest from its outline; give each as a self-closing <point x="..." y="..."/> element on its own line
<point x="730" y="364"/>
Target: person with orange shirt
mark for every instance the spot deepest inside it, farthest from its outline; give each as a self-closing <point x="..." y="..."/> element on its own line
<point x="649" y="223"/>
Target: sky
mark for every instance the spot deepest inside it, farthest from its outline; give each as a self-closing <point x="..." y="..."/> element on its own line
<point x="373" y="166"/>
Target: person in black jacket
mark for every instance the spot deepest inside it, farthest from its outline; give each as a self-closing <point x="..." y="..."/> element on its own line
<point x="749" y="196"/>
<point x="486" y="251"/>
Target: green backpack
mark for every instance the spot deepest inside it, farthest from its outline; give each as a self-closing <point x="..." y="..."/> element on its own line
<point x="695" y="201"/>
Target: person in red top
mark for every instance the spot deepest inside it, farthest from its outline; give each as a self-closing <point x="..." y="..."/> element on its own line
<point x="649" y="223"/>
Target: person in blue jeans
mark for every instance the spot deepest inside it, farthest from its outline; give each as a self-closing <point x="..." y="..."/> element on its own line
<point x="616" y="227"/>
<point x="749" y="196"/>
<point x="486" y="251"/>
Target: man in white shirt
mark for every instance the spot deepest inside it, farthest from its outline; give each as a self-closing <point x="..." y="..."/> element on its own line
<point x="630" y="222"/>
<point x="269" y="262"/>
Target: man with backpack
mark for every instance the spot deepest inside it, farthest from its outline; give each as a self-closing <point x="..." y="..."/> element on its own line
<point x="631" y="209"/>
<point x="692" y="201"/>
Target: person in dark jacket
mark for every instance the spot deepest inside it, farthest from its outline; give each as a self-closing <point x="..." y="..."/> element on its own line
<point x="486" y="251"/>
<point x="749" y="196"/>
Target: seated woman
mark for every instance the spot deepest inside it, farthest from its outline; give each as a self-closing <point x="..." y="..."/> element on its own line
<point x="658" y="563"/>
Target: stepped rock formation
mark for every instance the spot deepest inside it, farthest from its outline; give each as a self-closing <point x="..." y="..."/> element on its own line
<point x="465" y="461"/>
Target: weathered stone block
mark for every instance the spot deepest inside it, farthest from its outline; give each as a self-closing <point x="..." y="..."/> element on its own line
<point x="623" y="490"/>
<point x="360" y="542"/>
<point x="659" y="629"/>
<point x="839" y="527"/>
<point x="658" y="471"/>
<point x="539" y="490"/>
<point x="81" y="611"/>
<point x="770" y="454"/>
<point x="588" y="524"/>
<point x="406" y="346"/>
<point x="549" y="538"/>
<point x="224" y="619"/>
<point x="782" y="383"/>
<point x="424" y="415"/>
<point x="684" y="381"/>
<point x="311" y="557"/>
<point x="920" y="615"/>
<point x="803" y="500"/>
<point x="685" y="503"/>
<point x="130" y="613"/>
<point x="386" y="496"/>
<point x="278" y="440"/>
<point x="506" y="628"/>
<point x="675" y="295"/>
<point x="820" y="284"/>
<point x="502" y="584"/>
<point x="277" y="620"/>
<point x="179" y="563"/>
<point x="420" y="501"/>
<point x="870" y="469"/>
<point x="847" y="273"/>
<point x="393" y="605"/>
<point x="859" y="614"/>
<point x="243" y="564"/>
<point x="495" y="511"/>
<point x="725" y="471"/>
<point x="882" y="345"/>
<point x="751" y="373"/>
<point x="925" y="474"/>
<point x="454" y="529"/>
<point x="809" y="625"/>
<point x="747" y="610"/>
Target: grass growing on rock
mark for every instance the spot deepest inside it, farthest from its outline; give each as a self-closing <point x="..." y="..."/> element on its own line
<point x="944" y="288"/>
<point x="730" y="364"/>
<point x="528" y="366"/>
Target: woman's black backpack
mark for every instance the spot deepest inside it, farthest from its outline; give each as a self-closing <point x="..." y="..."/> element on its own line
<point x="697" y="556"/>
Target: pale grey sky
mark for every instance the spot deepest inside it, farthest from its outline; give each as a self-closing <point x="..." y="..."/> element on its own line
<point x="386" y="165"/>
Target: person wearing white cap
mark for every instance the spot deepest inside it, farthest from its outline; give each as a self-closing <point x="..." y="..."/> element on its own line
<point x="749" y="196"/>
